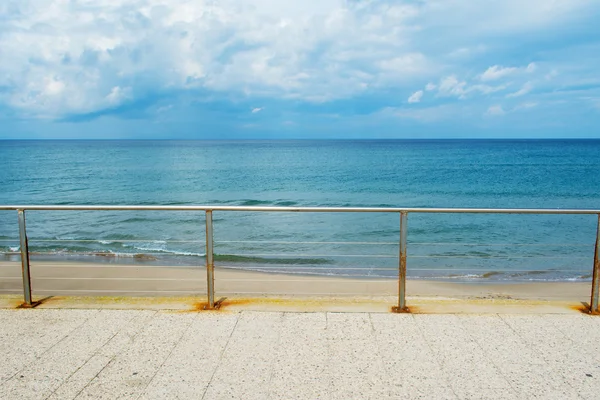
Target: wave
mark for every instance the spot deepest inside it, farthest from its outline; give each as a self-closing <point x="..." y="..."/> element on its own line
<point x="286" y="203"/>
<point x="254" y="203"/>
<point x="490" y="274"/>
<point x="312" y="272"/>
<point x="508" y="276"/>
<point x="174" y="252"/>
<point x="139" y="250"/>
<point x="307" y="266"/>
<point x="273" y="260"/>
<point x="137" y="219"/>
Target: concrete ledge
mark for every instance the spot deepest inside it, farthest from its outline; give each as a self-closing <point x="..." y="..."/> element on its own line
<point x="416" y="305"/>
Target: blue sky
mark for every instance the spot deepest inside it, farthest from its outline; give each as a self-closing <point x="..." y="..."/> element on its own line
<point x="236" y="69"/>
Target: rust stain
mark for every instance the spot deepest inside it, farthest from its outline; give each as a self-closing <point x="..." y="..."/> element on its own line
<point x="15" y="303"/>
<point x="238" y="302"/>
<point x="34" y="304"/>
<point x="583" y="308"/>
<point x="406" y="310"/>
<point x="223" y="304"/>
<point x="202" y="306"/>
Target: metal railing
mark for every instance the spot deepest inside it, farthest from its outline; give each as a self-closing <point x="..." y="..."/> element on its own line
<point x="403" y="228"/>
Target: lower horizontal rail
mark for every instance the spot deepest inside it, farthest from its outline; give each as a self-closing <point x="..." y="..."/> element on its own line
<point x="330" y="280"/>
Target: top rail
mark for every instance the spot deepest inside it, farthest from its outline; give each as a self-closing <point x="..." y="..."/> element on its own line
<point x="301" y="209"/>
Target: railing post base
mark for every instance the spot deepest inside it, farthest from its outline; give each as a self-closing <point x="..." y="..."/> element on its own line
<point x="399" y="310"/>
<point x="33" y="304"/>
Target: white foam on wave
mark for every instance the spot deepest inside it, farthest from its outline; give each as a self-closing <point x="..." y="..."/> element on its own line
<point x="162" y="250"/>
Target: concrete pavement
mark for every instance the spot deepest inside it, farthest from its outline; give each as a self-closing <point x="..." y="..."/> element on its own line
<point x="162" y="354"/>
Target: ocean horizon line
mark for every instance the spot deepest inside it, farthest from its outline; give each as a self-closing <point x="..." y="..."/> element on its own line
<point x="362" y="140"/>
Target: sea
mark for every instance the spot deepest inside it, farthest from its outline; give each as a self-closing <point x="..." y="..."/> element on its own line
<point x="556" y="174"/>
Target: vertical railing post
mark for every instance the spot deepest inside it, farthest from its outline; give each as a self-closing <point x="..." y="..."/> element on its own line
<point x="402" y="265"/>
<point x="24" y="259"/>
<point x="596" y="273"/>
<point x="210" y="265"/>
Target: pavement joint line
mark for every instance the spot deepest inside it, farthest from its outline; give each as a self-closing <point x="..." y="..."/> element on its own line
<point x="272" y="372"/>
<point x="145" y="326"/>
<point x="491" y="359"/>
<point x="91" y="357"/>
<point x="565" y="337"/>
<point x="513" y="329"/>
<point x="546" y="363"/>
<point x="375" y="335"/>
<point x="327" y="354"/>
<point x="371" y="322"/>
<point x="51" y="347"/>
<point x="221" y="355"/>
<point x="377" y="347"/>
<point x="184" y="331"/>
<point x="437" y="359"/>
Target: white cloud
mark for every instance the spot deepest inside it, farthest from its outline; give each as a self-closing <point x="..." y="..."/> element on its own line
<point x="451" y="86"/>
<point x="316" y="51"/>
<point x="74" y="57"/>
<point x="53" y="87"/>
<point x="263" y="47"/>
<point x="430" y="86"/>
<point x="523" y="91"/>
<point x="257" y="109"/>
<point x="429" y="114"/>
<point x="551" y="75"/>
<point x="486" y="89"/>
<point x="466" y="52"/>
<point x="525" y="106"/>
<point x="164" y="109"/>
<point x="118" y="95"/>
<point x="416" y="97"/>
<point x="409" y="63"/>
<point x="495" y="110"/>
<point x="497" y="72"/>
<point x="497" y="17"/>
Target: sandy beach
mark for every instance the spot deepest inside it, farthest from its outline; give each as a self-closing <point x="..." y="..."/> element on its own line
<point x="96" y="279"/>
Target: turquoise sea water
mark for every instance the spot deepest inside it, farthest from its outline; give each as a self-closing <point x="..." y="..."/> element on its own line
<point x="403" y="173"/>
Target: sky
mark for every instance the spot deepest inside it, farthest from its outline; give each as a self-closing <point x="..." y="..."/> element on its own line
<point x="274" y="69"/>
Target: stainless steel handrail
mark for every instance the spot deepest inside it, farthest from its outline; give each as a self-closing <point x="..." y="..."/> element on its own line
<point x="301" y="209"/>
<point x="208" y="209"/>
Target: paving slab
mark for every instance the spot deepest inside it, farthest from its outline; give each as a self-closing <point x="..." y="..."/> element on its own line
<point x="129" y="373"/>
<point x="182" y="354"/>
<point x="75" y="383"/>
<point x="191" y="366"/>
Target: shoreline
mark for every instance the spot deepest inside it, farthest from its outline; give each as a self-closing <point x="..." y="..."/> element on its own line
<point x="475" y="276"/>
<point x="77" y="278"/>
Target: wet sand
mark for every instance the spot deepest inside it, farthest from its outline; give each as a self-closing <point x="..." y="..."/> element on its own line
<point x="96" y="279"/>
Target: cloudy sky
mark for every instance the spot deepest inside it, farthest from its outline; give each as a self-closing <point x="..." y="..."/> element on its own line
<point x="299" y="69"/>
